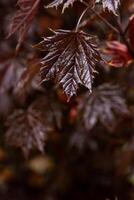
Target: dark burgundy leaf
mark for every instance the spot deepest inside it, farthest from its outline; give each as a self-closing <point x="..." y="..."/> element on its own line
<point x="26" y="129"/>
<point x="29" y="128"/>
<point x="57" y="3"/>
<point x="71" y="59"/>
<point x="23" y="19"/>
<point x="10" y="72"/>
<point x="111" y="5"/>
<point x="105" y="105"/>
<point x="29" y="79"/>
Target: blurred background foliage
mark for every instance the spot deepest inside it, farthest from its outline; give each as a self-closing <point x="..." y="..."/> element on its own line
<point x="77" y="163"/>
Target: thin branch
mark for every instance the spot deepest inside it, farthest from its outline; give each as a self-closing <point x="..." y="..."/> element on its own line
<point x="122" y="35"/>
<point x="100" y="17"/>
<point x="118" y="30"/>
<point x="82" y="15"/>
<point x="105" y="21"/>
<point x="87" y="22"/>
<point x="128" y="25"/>
<point x="126" y="28"/>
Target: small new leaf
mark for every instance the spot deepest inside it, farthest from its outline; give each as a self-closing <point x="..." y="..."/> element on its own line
<point x="71" y="59"/>
<point x="105" y="105"/>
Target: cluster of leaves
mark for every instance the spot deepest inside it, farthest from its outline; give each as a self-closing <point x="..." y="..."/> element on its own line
<point x="71" y="58"/>
<point x="72" y="54"/>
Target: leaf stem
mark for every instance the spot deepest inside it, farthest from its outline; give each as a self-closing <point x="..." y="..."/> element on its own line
<point x="128" y="25"/>
<point x="80" y="18"/>
<point x="100" y="17"/>
<point x="122" y="35"/>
